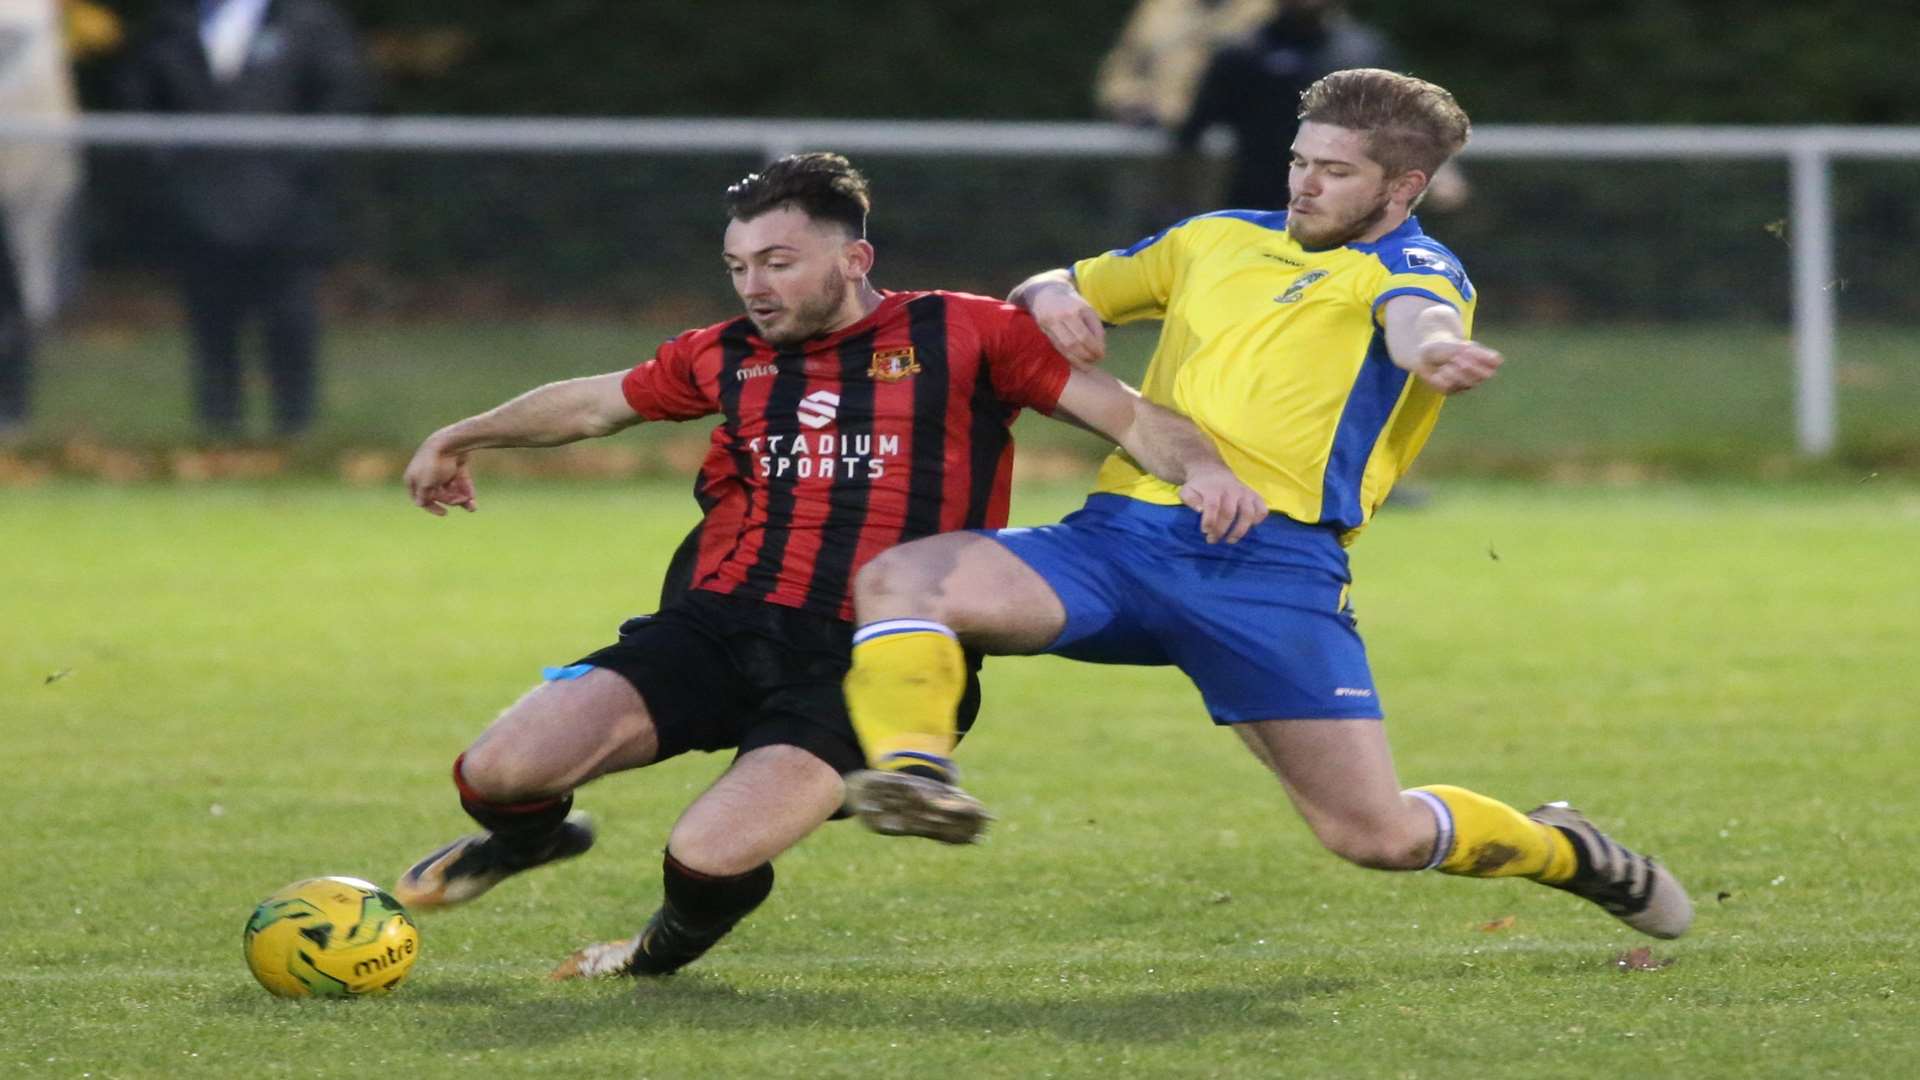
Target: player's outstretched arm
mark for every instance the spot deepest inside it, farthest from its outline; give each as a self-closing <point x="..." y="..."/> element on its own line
<point x="1428" y="339"/>
<point x="1167" y="445"/>
<point x="1063" y="314"/>
<point x="551" y="415"/>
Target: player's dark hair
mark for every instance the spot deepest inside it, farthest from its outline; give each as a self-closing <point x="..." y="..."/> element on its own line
<point x="1409" y="123"/>
<point x="825" y="187"/>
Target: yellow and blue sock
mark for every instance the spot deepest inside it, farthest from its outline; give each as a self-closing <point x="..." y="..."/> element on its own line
<point x="1482" y="837"/>
<point x="903" y="690"/>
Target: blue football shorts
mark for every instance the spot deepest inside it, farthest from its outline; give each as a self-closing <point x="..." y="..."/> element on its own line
<point x="1262" y="627"/>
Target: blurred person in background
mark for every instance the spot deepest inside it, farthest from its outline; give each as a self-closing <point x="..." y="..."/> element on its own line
<point x="37" y="180"/>
<point x="1149" y="77"/>
<point x="249" y="231"/>
<point x="1252" y="87"/>
<point x="1148" y="80"/>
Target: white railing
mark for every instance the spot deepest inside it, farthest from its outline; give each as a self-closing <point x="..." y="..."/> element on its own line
<point x="1808" y="152"/>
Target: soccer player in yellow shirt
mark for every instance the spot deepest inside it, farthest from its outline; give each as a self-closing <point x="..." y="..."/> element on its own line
<point x="1315" y="345"/>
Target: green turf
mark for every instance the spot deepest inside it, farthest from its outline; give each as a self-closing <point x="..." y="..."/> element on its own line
<point x="1686" y="398"/>
<point x="209" y="692"/>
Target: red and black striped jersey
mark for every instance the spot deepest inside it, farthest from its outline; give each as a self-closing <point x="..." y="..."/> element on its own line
<point x="831" y="451"/>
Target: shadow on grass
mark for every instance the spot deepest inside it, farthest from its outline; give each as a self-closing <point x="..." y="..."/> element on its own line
<point x="246" y="999"/>
<point x="706" y="1004"/>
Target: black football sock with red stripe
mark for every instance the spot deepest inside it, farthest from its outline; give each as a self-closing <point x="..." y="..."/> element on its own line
<point x="698" y="911"/>
<point x="524" y="830"/>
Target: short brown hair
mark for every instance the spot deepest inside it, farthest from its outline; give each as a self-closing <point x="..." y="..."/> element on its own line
<point x="825" y="187"/>
<point x="1409" y="123"/>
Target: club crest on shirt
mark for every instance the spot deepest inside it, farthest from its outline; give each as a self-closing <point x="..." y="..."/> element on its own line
<point x="892" y="365"/>
<point x="1299" y="287"/>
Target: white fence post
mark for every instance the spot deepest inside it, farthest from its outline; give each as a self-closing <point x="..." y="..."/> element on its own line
<point x="1810" y="236"/>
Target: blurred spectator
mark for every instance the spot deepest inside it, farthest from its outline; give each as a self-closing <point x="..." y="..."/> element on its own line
<point x="1150" y="76"/>
<point x="1253" y="87"/>
<point x="37" y="184"/>
<point x="91" y="28"/>
<point x="249" y="230"/>
<point x="95" y="36"/>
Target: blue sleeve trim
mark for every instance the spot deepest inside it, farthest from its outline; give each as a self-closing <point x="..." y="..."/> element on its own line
<point x="562" y="674"/>
<point x="1409" y="290"/>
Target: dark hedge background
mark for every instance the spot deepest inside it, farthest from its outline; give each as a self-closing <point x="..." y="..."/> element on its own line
<point x="1633" y="61"/>
<point x="1662" y="240"/>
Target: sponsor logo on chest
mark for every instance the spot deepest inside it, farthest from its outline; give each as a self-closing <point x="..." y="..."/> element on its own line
<point x="823" y="456"/>
<point x="819" y="409"/>
<point x="826" y="455"/>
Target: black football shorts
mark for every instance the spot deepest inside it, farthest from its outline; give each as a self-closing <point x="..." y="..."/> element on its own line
<point x="722" y="673"/>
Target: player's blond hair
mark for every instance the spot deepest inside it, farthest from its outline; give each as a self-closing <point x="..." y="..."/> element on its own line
<point x="1409" y="123"/>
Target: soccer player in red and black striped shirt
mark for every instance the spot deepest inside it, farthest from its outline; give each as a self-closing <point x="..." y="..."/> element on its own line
<point x="850" y="420"/>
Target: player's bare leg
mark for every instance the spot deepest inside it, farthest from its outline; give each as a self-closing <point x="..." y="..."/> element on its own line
<point x="517" y="780"/>
<point x="719" y="861"/>
<point x="913" y="604"/>
<point x="560" y="735"/>
<point x="1340" y="776"/>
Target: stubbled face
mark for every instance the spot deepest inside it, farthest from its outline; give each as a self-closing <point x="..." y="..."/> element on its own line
<point x="797" y="277"/>
<point x="1337" y="193"/>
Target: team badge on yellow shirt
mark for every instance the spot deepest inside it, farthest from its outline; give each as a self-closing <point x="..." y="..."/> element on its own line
<point x="1299" y="286"/>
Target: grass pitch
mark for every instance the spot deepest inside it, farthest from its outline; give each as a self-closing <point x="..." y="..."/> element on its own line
<point x="208" y="692"/>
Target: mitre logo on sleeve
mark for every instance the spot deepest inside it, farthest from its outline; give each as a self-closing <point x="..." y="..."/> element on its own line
<point x="892" y="365"/>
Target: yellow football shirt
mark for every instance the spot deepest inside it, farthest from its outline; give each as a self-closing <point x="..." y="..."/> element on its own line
<point x="1278" y="353"/>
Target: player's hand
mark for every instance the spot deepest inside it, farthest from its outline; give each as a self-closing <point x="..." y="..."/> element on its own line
<point x="1228" y="508"/>
<point x="1069" y="322"/>
<point x="1453" y="366"/>
<point x="437" y="480"/>
<point x="1448" y="362"/>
